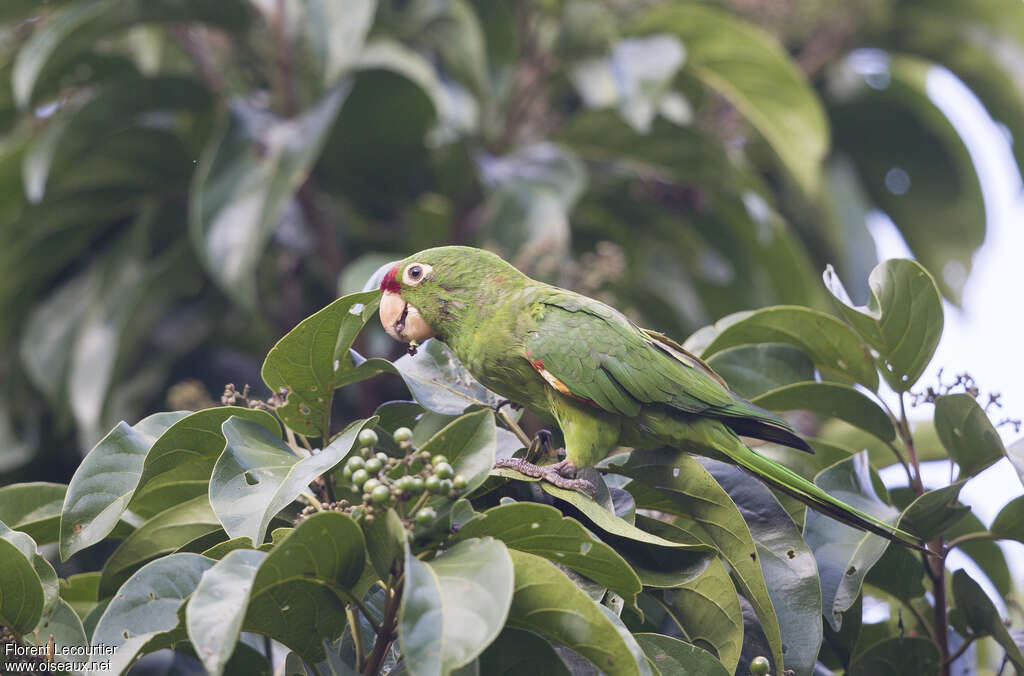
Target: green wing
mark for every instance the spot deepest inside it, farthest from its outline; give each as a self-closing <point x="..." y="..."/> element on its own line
<point x="598" y="355"/>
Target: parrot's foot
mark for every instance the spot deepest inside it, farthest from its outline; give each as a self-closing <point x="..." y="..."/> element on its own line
<point x="559" y="474"/>
<point x="507" y="402"/>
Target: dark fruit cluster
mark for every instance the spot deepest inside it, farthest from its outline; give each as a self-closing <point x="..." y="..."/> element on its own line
<point x="404" y="483"/>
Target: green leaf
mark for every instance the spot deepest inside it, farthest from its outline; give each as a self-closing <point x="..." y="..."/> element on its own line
<point x="833" y="400"/>
<point x="967" y="433"/>
<point x="190" y="447"/>
<point x="144" y="615"/>
<point x="832" y="346"/>
<point x="248" y="173"/>
<point x="542" y="530"/>
<point x="331" y="35"/>
<point x="436" y="379"/>
<point x="290" y="594"/>
<point x="898" y="572"/>
<point x="614" y="525"/>
<point x="33" y="508"/>
<point x="752" y="370"/>
<point x="257" y="475"/>
<point x="21" y="592"/>
<point x="161" y="535"/>
<point x="902" y="320"/>
<point x="896" y="657"/>
<point x="1009" y="522"/>
<point x="931" y="514"/>
<point x="548" y="603"/>
<point x="985" y="553"/>
<point x="678" y="658"/>
<point x="44" y="570"/>
<point x="982" y="616"/>
<point x="385" y="542"/>
<point x="521" y="652"/>
<point x="63" y="624"/>
<point x="687" y="489"/>
<point x="69" y="32"/>
<point x="749" y="68"/>
<point x="845" y="554"/>
<point x="788" y="564"/>
<point x="453" y="606"/>
<point x="104" y="483"/>
<point x="313" y="359"/>
<point x="469" y="443"/>
<point x="81" y="592"/>
<point x="707" y="612"/>
<point x="912" y="162"/>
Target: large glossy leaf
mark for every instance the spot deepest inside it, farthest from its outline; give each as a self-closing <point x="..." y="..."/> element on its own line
<point x="832" y="400"/>
<point x="985" y="553"/>
<point x="104" y="483"/>
<point x="1009" y="522"/>
<point x="845" y="554"/>
<point x="436" y="379"/>
<point x="247" y="175"/>
<point x="81" y="592"/>
<point x="911" y="160"/>
<point x="453" y="606"/>
<point x="982" y="617"/>
<point x="33" y="508"/>
<point x="542" y="530"/>
<point x="548" y="603"/>
<point x="162" y="534"/>
<point x="902" y="320"/>
<point x="752" y="370"/>
<point x="672" y="656"/>
<point x="788" y="564"/>
<point x="685" y="488"/>
<point x="967" y="433"/>
<point x="63" y="624"/>
<point x="190" y="447"/>
<point x="896" y="657"/>
<point x="931" y="514"/>
<point x="469" y="443"/>
<point x="750" y="69"/>
<point x="313" y="359"/>
<point x="21" y="592"/>
<point x="521" y="652"/>
<point x="257" y="475"/>
<point x="830" y="344"/>
<point x="707" y="612"/>
<point x="899" y="572"/>
<point x="330" y="35"/>
<point x="290" y="594"/>
<point x="144" y="616"/>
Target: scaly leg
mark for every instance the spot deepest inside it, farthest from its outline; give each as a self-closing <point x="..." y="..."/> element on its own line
<point x="560" y="474"/>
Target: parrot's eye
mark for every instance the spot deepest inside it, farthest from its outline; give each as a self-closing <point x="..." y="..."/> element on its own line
<point x="415" y="273"/>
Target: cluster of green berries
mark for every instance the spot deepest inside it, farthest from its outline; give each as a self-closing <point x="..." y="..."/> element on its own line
<point x="370" y="473"/>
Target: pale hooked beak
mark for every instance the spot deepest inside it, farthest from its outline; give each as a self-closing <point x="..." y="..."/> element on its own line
<point x="401" y="320"/>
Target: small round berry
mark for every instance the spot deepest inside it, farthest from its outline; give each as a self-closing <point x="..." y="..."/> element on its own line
<point x="365" y="452"/>
<point x="367" y="438"/>
<point x="416" y="485"/>
<point x="383" y="457"/>
<point x="433" y="484"/>
<point x="424" y="455"/>
<point x="373" y="465"/>
<point x="446" y="486"/>
<point x="370" y="484"/>
<point x="403" y="434"/>
<point x="360" y="477"/>
<point x="438" y="460"/>
<point x="346" y="473"/>
<point x="426" y="516"/>
<point x="443" y="470"/>
<point x="759" y="666"/>
<point x="460" y="482"/>
<point x="355" y="462"/>
<point x="381" y="494"/>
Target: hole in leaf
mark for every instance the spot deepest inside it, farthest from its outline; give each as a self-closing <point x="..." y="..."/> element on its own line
<point x="251" y="479"/>
<point x="126" y="634"/>
<point x="851" y="570"/>
<point x="791" y="554"/>
<point x="585" y="547"/>
<point x="753" y="556"/>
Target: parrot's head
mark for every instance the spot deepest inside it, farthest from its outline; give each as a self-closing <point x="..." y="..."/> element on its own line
<point x="428" y="293"/>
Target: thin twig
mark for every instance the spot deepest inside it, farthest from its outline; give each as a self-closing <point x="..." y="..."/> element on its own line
<point x="968" y="640"/>
<point x="514" y="427"/>
<point x="357" y="640"/>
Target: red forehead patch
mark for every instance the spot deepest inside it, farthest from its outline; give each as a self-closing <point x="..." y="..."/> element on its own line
<point x="389" y="283"/>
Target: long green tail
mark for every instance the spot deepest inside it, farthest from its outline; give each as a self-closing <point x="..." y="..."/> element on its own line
<point x="717" y="441"/>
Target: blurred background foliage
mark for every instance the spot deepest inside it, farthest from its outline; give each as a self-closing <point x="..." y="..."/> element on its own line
<point x="182" y="181"/>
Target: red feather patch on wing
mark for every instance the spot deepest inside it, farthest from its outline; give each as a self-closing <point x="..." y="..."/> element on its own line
<point x="389" y="283"/>
<point x="538" y="365"/>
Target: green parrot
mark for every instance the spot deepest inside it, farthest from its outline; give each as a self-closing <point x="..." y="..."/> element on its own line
<point x="602" y="379"/>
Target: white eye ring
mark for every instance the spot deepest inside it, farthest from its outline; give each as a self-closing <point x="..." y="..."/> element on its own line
<point x="415" y="273"/>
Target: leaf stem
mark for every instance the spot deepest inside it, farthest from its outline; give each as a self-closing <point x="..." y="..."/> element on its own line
<point x="311" y="499"/>
<point x="357" y="639"/>
<point x="968" y="640"/>
<point x="514" y="427"/>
